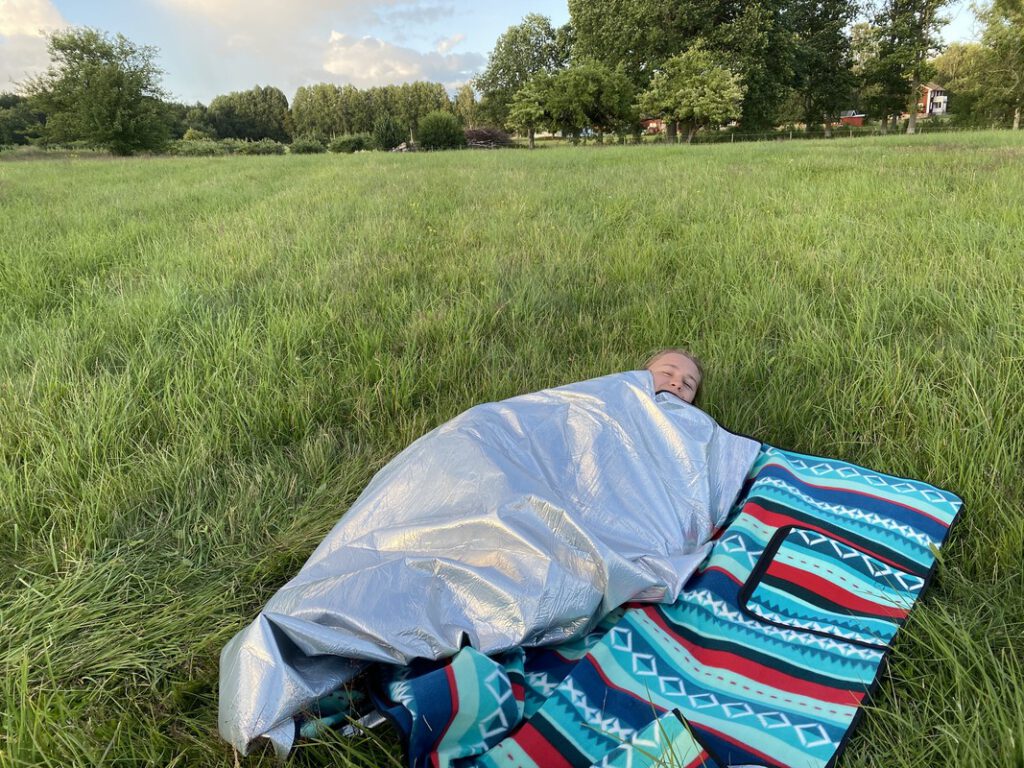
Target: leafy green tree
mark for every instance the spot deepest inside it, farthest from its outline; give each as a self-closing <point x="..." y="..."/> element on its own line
<point x="466" y="107"/>
<point x="759" y="45"/>
<point x="639" y="35"/>
<point x="1003" y="38"/>
<point x="521" y="51"/>
<point x="823" y="61"/>
<point x="316" y="111"/>
<point x="387" y="133"/>
<point x="415" y="100"/>
<point x="694" y="88"/>
<point x="881" y="87"/>
<point x="354" y="110"/>
<point x="19" y="122"/>
<point x="259" y="113"/>
<point x="908" y="37"/>
<point x="185" y="117"/>
<point x="589" y="96"/>
<point x="529" y="108"/>
<point x="962" y="69"/>
<point x="103" y="90"/>
<point x="384" y="100"/>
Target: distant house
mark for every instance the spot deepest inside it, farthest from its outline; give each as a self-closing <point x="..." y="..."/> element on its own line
<point x="852" y="117"/>
<point x="653" y="125"/>
<point x="933" y="100"/>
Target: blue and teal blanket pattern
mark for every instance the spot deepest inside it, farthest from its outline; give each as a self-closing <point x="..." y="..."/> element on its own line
<point x="765" y="660"/>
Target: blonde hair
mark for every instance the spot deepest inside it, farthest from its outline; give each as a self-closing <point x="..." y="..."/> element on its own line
<point x="679" y="351"/>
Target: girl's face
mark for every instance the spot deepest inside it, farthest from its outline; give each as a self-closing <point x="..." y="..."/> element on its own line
<point x="677" y="374"/>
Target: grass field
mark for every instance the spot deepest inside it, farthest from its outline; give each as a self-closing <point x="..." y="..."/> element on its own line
<point x="205" y="360"/>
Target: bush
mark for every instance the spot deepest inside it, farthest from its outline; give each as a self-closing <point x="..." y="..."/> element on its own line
<point x="196" y="148"/>
<point x="354" y="142"/>
<point x="387" y="133"/>
<point x="306" y="145"/>
<point x="194" y="134"/>
<point x="232" y="146"/>
<point x="440" y="130"/>
<point x="261" y="147"/>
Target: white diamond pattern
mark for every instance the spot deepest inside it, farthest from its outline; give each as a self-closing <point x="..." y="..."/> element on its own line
<point x="846" y="472"/>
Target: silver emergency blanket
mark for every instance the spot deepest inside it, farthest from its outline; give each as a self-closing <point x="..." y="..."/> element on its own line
<point x="521" y="522"/>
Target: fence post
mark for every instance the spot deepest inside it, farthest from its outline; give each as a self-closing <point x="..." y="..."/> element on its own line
<point x="732" y="138"/>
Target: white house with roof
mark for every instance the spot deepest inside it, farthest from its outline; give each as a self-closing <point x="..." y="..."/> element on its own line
<point x="934" y="100"/>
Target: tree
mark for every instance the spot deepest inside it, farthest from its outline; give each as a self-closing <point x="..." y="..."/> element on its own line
<point x="415" y="100"/>
<point x="1004" y="40"/>
<point x="760" y="48"/>
<point x="19" y="122"/>
<point x="259" y="113"/>
<point x="354" y="109"/>
<point x="522" y="51"/>
<point x="909" y="36"/>
<point x="589" y="96"/>
<point x="528" y="109"/>
<point x="316" y="112"/>
<point x="695" y="89"/>
<point x="823" y="62"/>
<point x="387" y="133"/>
<point x="103" y="90"/>
<point x="962" y="69"/>
<point x="639" y="35"/>
<point x="466" y="106"/>
<point x="181" y="118"/>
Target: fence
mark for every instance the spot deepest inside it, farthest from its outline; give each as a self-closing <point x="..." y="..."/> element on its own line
<point x="839" y="132"/>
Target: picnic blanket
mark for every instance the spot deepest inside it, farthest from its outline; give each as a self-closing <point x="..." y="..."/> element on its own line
<point x="765" y="659"/>
<point x="517" y="523"/>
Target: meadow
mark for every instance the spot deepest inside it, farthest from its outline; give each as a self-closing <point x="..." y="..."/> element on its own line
<point x="205" y="360"/>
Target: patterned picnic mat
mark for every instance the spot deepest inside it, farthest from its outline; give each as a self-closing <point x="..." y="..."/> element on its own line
<point x="765" y="660"/>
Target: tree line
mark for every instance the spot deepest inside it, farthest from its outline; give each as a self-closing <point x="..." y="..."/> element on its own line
<point x="105" y="91"/>
<point x="694" y="65"/>
<point x="763" y="64"/>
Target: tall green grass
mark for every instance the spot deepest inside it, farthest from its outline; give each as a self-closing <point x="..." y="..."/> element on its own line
<point x="205" y="360"/>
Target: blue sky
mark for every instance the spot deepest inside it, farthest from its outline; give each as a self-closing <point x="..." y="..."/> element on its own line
<point x="209" y="47"/>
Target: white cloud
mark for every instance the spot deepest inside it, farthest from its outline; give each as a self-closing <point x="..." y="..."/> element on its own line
<point x="23" y="28"/>
<point x="29" y="18"/>
<point x="257" y="22"/>
<point x="369" y="61"/>
<point x="445" y="44"/>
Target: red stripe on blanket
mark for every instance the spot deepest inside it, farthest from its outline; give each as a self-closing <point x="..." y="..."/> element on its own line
<point x="775" y="520"/>
<point x="453" y="690"/>
<point x="540" y="749"/>
<point x="831" y="591"/>
<point x="760" y="673"/>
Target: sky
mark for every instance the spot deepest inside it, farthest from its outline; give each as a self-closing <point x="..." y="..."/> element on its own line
<point x="210" y="47"/>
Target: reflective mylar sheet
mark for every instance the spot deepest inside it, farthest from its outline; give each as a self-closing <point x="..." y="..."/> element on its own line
<point x="520" y="522"/>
